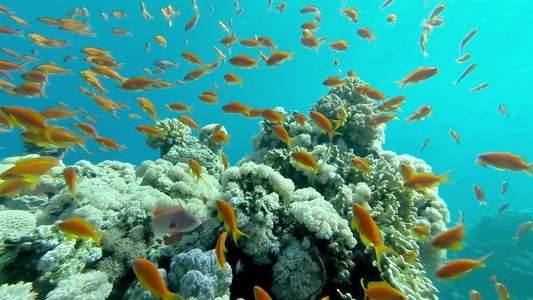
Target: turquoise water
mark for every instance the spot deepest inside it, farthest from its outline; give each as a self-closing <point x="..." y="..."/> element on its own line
<point x="502" y="50"/>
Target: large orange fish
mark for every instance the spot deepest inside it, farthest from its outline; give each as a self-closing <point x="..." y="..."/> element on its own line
<point x="458" y="267"/>
<point x="369" y="231"/>
<point x="504" y="161"/>
<point x="30" y="169"/>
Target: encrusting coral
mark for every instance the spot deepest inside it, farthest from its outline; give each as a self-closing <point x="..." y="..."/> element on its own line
<point x="297" y="221"/>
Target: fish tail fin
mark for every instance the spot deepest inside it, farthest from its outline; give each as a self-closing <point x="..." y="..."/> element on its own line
<point x="119" y="66"/>
<point x="289" y="56"/>
<point x="372" y="38"/>
<point x="401" y="83"/>
<point x="255" y="63"/>
<point x="290" y="141"/>
<point x="172" y="296"/>
<point x="333" y="133"/>
<point x="482" y="260"/>
<point x="80" y="141"/>
<point x="444" y="177"/>
<point x="528" y="169"/>
<point x="239" y="81"/>
<point x="237" y="234"/>
<point x="395" y="117"/>
<point x="121" y="147"/>
<point x="380" y="249"/>
<point x="456" y="82"/>
<point x="226" y="138"/>
<point x="42" y="92"/>
<point x="33" y="180"/>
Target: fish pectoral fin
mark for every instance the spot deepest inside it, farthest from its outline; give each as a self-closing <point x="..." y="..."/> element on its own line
<point x="354" y="224"/>
<point x="456" y="246"/>
<point x="70" y="237"/>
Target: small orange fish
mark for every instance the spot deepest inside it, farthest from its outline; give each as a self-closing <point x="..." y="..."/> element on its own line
<point x="179" y="107"/>
<point x="324" y="124"/>
<point x="148" y="107"/>
<point x="360" y="164"/>
<point x="71" y="178"/>
<point x="418" y="75"/>
<point x="272" y="116"/>
<point x="502" y="291"/>
<point x="150" y="279"/>
<point x="221" y="250"/>
<point x="160" y="40"/>
<point x="455" y="136"/>
<point x="237" y="108"/>
<point x="333" y="81"/>
<point x="351" y="73"/>
<point x="371" y="92"/>
<point x="150" y="130"/>
<point x="220" y="136"/>
<point x="225" y="161"/>
<point x="382" y="119"/>
<point x="281" y="133"/>
<point x="466" y="72"/>
<point x="340" y="45"/>
<point x="452" y="238"/>
<point x="366" y="34"/>
<point x="525" y="227"/>
<point x="475" y="295"/>
<point x="504" y="161"/>
<point x="190" y="122"/>
<point x="78" y="227"/>
<point x="86" y="128"/>
<point x="192" y="23"/>
<point x="259" y="293"/>
<point x="109" y="143"/>
<point x="231" y="78"/>
<point x="301" y="119"/>
<point x="255" y="113"/>
<point x="421" y="232"/>
<point x="421" y="181"/>
<point x="195" y="168"/>
<point x="480" y="195"/>
<point x="381" y="290"/>
<point x="420" y="114"/>
<point x="227" y="214"/>
<point x="243" y="61"/>
<point x="391" y="18"/>
<point x="458" y="267"/>
<point x="305" y="161"/>
<point x="278" y="57"/>
<point x="463" y="58"/>
<point x="28" y="90"/>
<point x="281" y="7"/>
<point x="120" y="31"/>
<point x="369" y="231"/>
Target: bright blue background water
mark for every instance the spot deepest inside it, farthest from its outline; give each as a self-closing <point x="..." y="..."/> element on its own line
<point x="502" y="50"/>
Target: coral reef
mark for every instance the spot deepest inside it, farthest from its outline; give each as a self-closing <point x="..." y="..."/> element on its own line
<point x="299" y="245"/>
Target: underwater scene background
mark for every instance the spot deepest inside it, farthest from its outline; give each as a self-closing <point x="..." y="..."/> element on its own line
<point x="295" y="212"/>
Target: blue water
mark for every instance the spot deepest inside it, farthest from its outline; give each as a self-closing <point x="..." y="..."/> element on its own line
<point x="502" y="50"/>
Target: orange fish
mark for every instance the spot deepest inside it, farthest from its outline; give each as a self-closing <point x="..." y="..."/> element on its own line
<point x="281" y="133"/>
<point x="455" y="136"/>
<point x="227" y="214"/>
<point x="150" y="279"/>
<point x="148" y="107"/>
<point x="94" y="51"/>
<point x="86" y="128"/>
<point x="456" y="268"/>
<point x="281" y="7"/>
<point x="231" y="78"/>
<point x="340" y="45"/>
<point x="418" y="75"/>
<point x="371" y="92"/>
<point x="190" y="122"/>
<point x="64" y="138"/>
<point x="366" y="34"/>
<point x="12" y="188"/>
<point x="220" y="136"/>
<point x="255" y="113"/>
<point x="502" y="291"/>
<point x="237" y="108"/>
<point x="278" y="57"/>
<point x="421" y="181"/>
<point x="35" y="76"/>
<point x="28" y="90"/>
<point x="420" y="114"/>
<point x="259" y="293"/>
<point x="109" y="143"/>
<point x="452" y="238"/>
<point x="421" y="232"/>
<point x="391" y="18"/>
<point x="225" y="161"/>
<point x="150" y="130"/>
<point x="195" y="168"/>
<point x="272" y="116"/>
<point x="243" y="61"/>
<point x="369" y="231"/>
<point x="30" y="169"/>
<point x="192" y="58"/>
<point x="78" y="227"/>
<point x="195" y="74"/>
<point x="24" y="117"/>
<point x="333" y="81"/>
<point x="504" y="161"/>
<point x="377" y="290"/>
<point x="480" y="195"/>
<point x="305" y="161"/>
<point x="323" y="124"/>
<point x="351" y="13"/>
<point x="221" y="250"/>
<point x="475" y="295"/>
<point x="179" y="107"/>
<point x="190" y="25"/>
<point x="382" y="119"/>
<point x="138" y="83"/>
<point x="525" y="227"/>
<point x="71" y="178"/>
<point x="301" y="119"/>
<point x="360" y="164"/>
<point x="58" y="113"/>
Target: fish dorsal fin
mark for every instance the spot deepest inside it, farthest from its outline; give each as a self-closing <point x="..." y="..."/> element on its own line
<point x="378" y="284"/>
<point x="461" y="218"/>
<point x="171" y="209"/>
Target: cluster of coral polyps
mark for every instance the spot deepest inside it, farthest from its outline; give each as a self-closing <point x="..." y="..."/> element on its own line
<point x="300" y="243"/>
